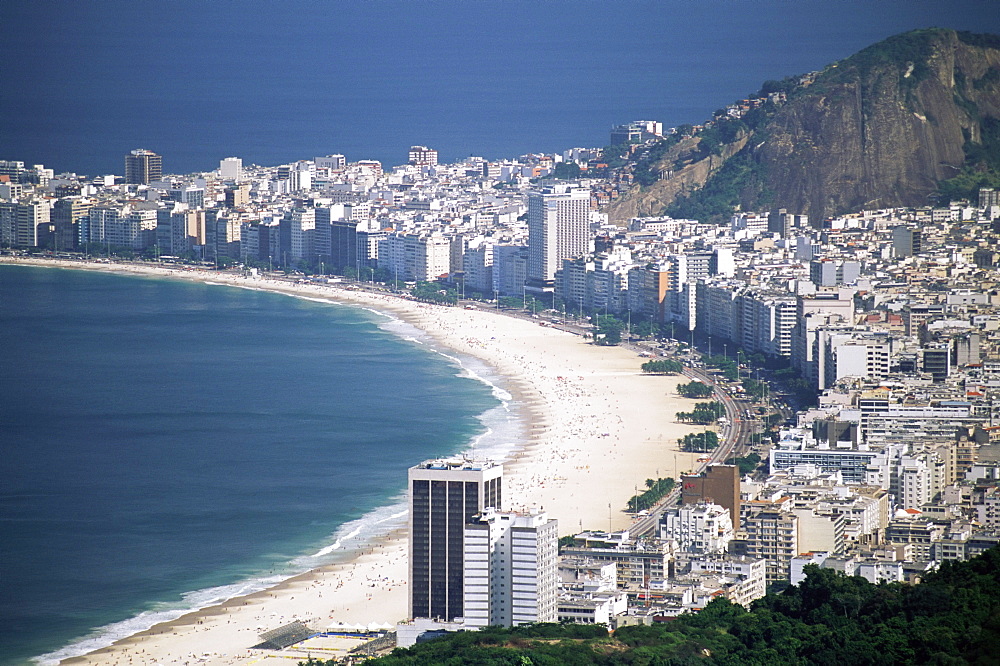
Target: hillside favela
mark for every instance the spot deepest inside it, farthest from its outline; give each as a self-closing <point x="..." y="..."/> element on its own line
<point x="754" y="363"/>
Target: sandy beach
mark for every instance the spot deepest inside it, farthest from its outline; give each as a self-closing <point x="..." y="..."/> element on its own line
<point x="599" y="429"/>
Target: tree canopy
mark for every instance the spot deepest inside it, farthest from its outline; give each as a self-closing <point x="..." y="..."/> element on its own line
<point x="953" y="617"/>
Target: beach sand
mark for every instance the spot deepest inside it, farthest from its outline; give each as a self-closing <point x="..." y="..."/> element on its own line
<point x="599" y="429"/>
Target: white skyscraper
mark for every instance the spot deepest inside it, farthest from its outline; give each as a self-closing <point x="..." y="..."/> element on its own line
<point x="558" y="228"/>
<point x="231" y="168"/>
<point x="510" y="569"/>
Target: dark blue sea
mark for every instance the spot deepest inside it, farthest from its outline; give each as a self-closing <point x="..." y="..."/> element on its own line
<point x="166" y="444"/>
<point x="271" y="82"/>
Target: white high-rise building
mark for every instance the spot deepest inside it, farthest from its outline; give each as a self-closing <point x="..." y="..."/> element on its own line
<point x="511" y="572"/>
<point x="231" y="168"/>
<point x="698" y="528"/>
<point x="303" y="227"/>
<point x="558" y="228"/>
<point x="331" y="162"/>
<point x="423" y="156"/>
<point x="445" y="496"/>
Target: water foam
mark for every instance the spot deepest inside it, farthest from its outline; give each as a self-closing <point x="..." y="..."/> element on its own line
<point x="163" y="612"/>
<point x="348" y="538"/>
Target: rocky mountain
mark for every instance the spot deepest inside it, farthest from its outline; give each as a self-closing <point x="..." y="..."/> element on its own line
<point x="884" y="127"/>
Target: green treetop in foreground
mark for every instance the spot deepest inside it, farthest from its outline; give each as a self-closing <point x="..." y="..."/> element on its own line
<point x="953" y="617"/>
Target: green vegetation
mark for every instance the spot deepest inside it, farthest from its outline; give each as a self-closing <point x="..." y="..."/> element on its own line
<point x="615" y="156"/>
<point x="434" y="293"/>
<point x="953" y="617"/>
<point x="655" y="491"/>
<point x="566" y="541"/>
<point x="981" y="168"/>
<point x="695" y="390"/>
<point x="754" y="389"/>
<point x="898" y="52"/>
<point x="609" y="330"/>
<point x="699" y="442"/>
<point x="566" y="171"/>
<point x="644" y="329"/>
<point x="741" y="181"/>
<point x="704" y="413"/>
<point x="985" y="41"/>
<point x="646" y="170"/>
<point x="787" y="85"/>
<point x="747" y="464"/>
<point x="723" y="131"/>
<point x="727" y="365"/>
<point x="665" y="367"/>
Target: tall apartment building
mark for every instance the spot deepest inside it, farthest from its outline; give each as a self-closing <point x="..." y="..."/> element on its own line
<point x="477" y="265"/>
<point x="829" y="273"/>
<point x="510" y="269"/>
<point x="331" y="162"/>
<point x="142" y="167"/>
<point x="719" y="484"/>
<point x="302" y="227"/>
<point x="638" y="563"/>
<point x="238" y="195"/>
<point x="445" y="497"/>
<point x="510" y="569"/>
<point x="15" y="170"/>
<point x="988" y="197"/>
<point x="24" y="223"/>
<point x="701" y="528"/>
<point x="772" y="536"/>
<point x="558" y="228"/>
<point x="907" y="241"/>
<point x="854" y="354"/>
<point x="231" y="168"/>
<point x="423" y="156"/>
<point x="784" y="223"/>
<point x="598" y="283"/>
<point x="415" y="256"/>
<point x="648" y="291"/>
<point x="66" y="215"/>
<point x="179" y="229"/>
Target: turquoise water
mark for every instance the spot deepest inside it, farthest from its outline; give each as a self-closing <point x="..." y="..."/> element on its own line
<point x="167" y="444"/>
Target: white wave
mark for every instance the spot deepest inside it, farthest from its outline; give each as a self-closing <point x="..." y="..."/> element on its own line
<point x="356" y="534"/>
<point x="337" y="544"/>
<point x="164" y="612"/>
<point x="349" y="537"/>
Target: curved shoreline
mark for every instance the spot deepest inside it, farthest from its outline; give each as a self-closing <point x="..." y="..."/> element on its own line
<point x="596" y="428"/>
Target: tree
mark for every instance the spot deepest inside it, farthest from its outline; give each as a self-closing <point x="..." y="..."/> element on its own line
<point x="667" y="367"/>
<point x="566" y="171"/>
<point x="609" y="330"/>
<point x="433" y="293"/>
<point x="699" y="441"/>
<point x="644" y="329"/>
<point x="695" y="390"/>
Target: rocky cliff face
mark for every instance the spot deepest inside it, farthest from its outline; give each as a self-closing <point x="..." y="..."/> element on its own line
<point x="881" y="128"/>
<point x="651" y="201"/>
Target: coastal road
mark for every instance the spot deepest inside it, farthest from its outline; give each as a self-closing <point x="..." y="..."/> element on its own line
<point x="734" y="435"/>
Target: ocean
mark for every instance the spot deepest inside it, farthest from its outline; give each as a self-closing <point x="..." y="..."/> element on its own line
<point x="199" y="81"/>
<point x="168" y="444"/>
